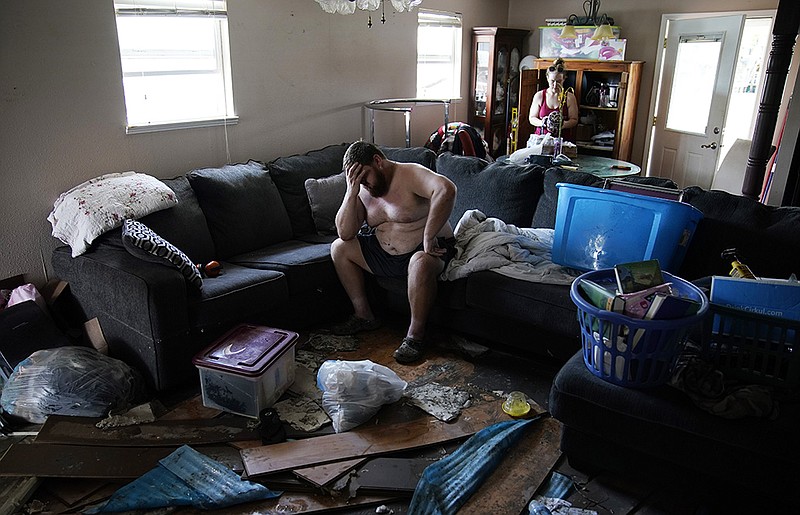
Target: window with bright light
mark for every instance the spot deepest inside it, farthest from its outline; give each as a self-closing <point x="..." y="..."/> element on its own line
<point x="438" y="55"/>
<point x="176" y="68"/>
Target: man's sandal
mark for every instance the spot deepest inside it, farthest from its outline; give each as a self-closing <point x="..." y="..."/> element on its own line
<point x="354" y="325"/>
<point x="410" y="350"/>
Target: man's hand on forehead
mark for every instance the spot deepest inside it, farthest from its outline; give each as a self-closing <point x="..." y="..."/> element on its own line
<point x="355" y="174"/>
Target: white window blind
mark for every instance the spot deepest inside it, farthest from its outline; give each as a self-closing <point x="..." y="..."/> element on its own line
<point x="175" y="59"/>
<point x="438" y="54"/>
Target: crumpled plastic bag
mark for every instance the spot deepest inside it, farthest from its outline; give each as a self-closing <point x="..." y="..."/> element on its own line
<point x="25" y="293"/>
<point x="76" y="381"/>
<point x="353" y="391"/>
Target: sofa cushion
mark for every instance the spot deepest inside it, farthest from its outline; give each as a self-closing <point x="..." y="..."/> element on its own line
<point x="144" y="243"/>
<point x="544" y="305"/>
<point x="325" y="196"/>
<point x="290" y="174"/>
<point x="242" y="206"/>
<point x="545" y="216"/>
<point x="421" y="155"/>
<point x="307" y="266"/>
<point x="237" y="293"/>
<point x="185" y="224"/>
<point x="501" y="190"/>
<point x="765" y="237"/>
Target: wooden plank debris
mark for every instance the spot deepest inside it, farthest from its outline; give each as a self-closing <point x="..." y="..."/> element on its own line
<point x="391" y="475"/>
<point x="80" y="461"/>
<point x="82" y="430"/>
<point x="73" y="491"/>
<point x="191" y="409"/>
<point x="368" y="440"/>
<point x="323" y="475"/>
<point x="297" y="502"/>
<point x="15" y="492"/>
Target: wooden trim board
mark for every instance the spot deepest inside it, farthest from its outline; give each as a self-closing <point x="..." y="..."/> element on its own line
<point x="79" y="461"/>
<point x="82" y="430"/>
<point x="322" y="475"/>
<point x="369" y="440"/>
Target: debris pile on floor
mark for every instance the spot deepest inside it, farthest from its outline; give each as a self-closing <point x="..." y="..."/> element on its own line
<point x="302" y="464"/>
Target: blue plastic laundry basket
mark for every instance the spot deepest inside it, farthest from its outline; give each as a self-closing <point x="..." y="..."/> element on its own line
<point x="628" y="351"/>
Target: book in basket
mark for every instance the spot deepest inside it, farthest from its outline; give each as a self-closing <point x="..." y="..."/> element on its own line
<point x="635" y="305"/>
<point x="601" y="295"/>
<point x="638" y="276"/>
<point x="669" y="307"/>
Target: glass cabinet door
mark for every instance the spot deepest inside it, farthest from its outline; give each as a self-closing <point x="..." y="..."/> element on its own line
<point x="481" y="78"/>
<point x="501" y="76"/>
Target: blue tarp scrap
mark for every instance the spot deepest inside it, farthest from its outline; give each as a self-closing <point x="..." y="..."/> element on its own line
<point x="447" y="484"/>
<point x="558" y="486"/>
<point x="185" y="478"/>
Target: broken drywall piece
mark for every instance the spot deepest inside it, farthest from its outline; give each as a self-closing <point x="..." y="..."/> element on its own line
<point x="141" y="414"/>
<point x="332" y="343"/>
<point x="301" y="413"/>
<point x="310" y="359"/>
<point x="443" y="402"/>
<point x="305" y="384"/>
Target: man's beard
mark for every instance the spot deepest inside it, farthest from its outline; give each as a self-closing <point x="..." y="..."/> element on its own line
<point x="380" y="186"/>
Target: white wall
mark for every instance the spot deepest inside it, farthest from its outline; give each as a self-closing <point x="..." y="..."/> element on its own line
<point x="300" y="77"/>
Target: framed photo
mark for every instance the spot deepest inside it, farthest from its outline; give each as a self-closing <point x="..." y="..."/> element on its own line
<point x="581" y="47"/>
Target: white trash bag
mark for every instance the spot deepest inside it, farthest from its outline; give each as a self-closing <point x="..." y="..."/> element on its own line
<point x="353" y="391"/>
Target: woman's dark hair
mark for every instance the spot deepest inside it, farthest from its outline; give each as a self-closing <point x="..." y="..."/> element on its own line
<point x="557" y="66"/>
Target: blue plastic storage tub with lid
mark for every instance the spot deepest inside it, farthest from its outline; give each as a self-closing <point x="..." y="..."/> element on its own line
<point x="597" y="228"/>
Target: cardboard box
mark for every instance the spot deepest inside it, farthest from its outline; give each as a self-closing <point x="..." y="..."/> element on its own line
<point x="247" y="369"/>
<point x="582" y="47"/>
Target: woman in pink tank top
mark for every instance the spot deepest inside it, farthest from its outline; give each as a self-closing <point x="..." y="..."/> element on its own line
<point x="547" y="101"/>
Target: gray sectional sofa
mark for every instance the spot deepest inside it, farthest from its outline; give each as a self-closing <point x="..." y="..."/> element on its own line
<point x="275" y="248"/>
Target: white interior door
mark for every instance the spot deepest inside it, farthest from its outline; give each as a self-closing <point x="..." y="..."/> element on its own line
<point x="699" y="62"/>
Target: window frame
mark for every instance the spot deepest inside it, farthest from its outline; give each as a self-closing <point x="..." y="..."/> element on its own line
<point x="454" y="20"/>
<point x="216" y="9"/>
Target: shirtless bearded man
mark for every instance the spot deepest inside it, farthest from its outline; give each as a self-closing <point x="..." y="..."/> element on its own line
<point x="407" y="207"/>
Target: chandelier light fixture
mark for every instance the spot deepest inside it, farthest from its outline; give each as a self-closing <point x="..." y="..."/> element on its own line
<point x="603" y="22"/>
<point x="350" y="6"/>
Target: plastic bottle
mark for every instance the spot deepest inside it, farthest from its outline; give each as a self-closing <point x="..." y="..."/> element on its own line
<point x="738" y="269"/>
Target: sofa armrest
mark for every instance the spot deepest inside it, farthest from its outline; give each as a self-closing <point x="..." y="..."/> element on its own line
<point x="148" y="298"/>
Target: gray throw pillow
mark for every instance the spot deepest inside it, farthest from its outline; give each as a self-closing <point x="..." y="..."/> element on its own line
<point x="501" y="190"/>
<point x="144" y="243"/>
<point x="290" y="174"/>
<point x="325" y="195"/>
<point x="242" y="206"/>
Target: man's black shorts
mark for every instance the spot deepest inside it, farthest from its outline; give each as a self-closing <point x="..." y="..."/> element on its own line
<point x="384" y="264"/>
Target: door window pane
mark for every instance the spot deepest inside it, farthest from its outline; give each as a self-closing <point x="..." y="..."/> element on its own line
<point x="693" y="83"/>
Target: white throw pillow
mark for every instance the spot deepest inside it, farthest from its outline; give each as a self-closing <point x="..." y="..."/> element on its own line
<point x="98" y="205"/>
